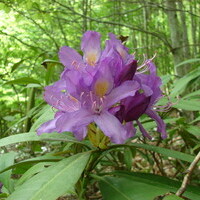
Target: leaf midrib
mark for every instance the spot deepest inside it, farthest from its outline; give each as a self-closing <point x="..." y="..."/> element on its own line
<point x="116" y="189"/>
<point x="45" y="185"/>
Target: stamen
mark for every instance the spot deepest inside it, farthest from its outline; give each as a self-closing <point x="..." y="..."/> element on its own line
<point x="101" y="100"/>
<point x="91" y="96"/>
<point x="76" y="65"/>
<point x="164" y="108"/>
<point x="73" y="98"/>
<point x="82" y="93"/>
<point x="94" y="105"/>
<point x="122" y="52"/>
<point x="145" y="64"/>
<point x="58" y="102"/>
<point x="51" y="97"/>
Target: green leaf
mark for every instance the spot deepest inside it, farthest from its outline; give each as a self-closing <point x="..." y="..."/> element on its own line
<point x="9" y="118"/>
<point x="161" y="150"/>
<point x="165" y="79"/>
<point x="33" y="85"/>
<point x="128" y="156"/>
<point x="23" y="81"/>
<point x="135" y="186"/>
<point x="53" y="182"/>
<point x="191" y="105"/>
<point x="39" y="167"/>
<point x="188" y="61"/>
<point x="32" y="136"/>
<point x="181" y="84"/>
<point x="194" y="130"/>
<point x="195" y="120"/>
<point x="192" y="94"/>
<point x="6" y="160"/>
<point x="48" y="61"/>
<point x="45" y="158"/>
<point x="47" y="114"/>
<point x="16" y="65"/>
<point x="166" y="152"/>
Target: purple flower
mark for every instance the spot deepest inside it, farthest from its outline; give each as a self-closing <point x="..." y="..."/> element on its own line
<point x="91" y="52"/>
<point x="143" y="102"/>
<point x="84" y="104"/>
<point x="86" y="65"/>
<point x="126" y="66"/>
<point x="102" y="87"/>
<point x="116" y="44"/>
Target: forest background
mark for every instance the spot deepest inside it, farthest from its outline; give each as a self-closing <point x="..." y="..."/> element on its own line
<point x="32" y="32"/>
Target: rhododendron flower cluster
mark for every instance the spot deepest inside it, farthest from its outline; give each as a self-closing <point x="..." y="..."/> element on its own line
<point x="105" y="88"/>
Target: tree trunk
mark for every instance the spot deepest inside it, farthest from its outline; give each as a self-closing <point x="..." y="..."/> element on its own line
<point x="146" y="22"/>
<point x="186" y="47"/>
<point x="194" y="29"/>
<point x="175" y="35"/>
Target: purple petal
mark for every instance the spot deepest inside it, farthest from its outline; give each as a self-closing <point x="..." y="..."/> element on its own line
<point x="108" y="49"/>
<point x="71" y="79"/>
<point x="70" y="58"/>
<point x="57" y="96"/>
<point x="80" y="133"/>
<point x="120" y="114"/>
<point x="50" y="126"/>
<point x="161" y="126"/>
<point x="103" y="80"/>
<point x="57" y="86"/>
<point x="123" y="51"/>
<point x="128" y="72"/>
<point x="152" y="68"/>
<point x="114" y="110"/>
<point x="111" y="127"/>
<point x="128" y="88"/>
<point x="91" y="47"/>
<point x="135" y="106"/>
<point x="143" y="131"/>
<point x="131" y="130"/>
<point x="151" y="86"/>
<point x="62" y="102"/>
<point x="73" y="121"/>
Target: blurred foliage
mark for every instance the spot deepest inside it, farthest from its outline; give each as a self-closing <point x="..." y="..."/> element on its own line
<point x="32" y="33"/>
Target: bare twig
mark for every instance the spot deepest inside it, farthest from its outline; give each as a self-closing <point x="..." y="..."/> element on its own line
<point x="158" y="163"/>
<point x="186" y="179"/>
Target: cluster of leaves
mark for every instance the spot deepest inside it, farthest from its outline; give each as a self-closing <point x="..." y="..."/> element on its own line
<point x="58" y="165"/>
<point x="54" y="165"/>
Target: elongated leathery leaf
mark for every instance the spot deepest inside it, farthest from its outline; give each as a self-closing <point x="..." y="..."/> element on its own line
<point x="32" y="171"/>
<point x="181" y="84"/>
<point x="6" y="160"/>
<point x="32" y="136"/>
<point x="135" y="186"/>
<point x="161" y="150"/>
<point x="44" y="158"/>
<point x="167" y="152"/>
<point x="53" y="182"/>
<point x="23" y="81"/>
